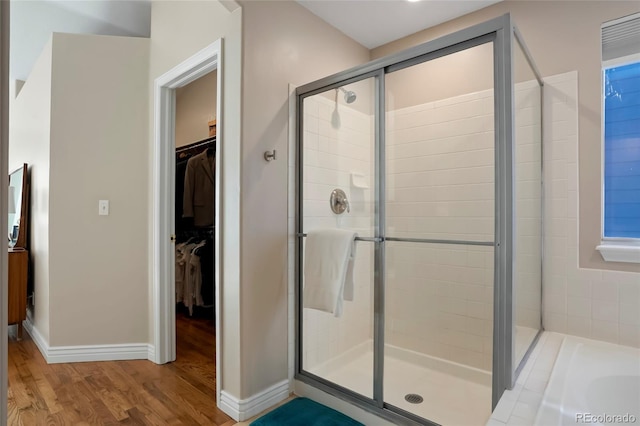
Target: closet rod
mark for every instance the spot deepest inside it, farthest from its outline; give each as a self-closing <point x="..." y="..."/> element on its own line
<point x="196" y="144"/>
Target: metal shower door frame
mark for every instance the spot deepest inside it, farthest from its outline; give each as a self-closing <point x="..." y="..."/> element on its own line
<point x="499" y="32"/>
<point x="518" y="40"/>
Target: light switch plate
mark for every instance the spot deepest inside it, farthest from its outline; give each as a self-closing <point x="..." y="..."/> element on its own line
<point x="103" y="207"/>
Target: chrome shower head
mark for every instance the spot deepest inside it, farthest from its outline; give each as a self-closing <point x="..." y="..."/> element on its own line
<point x="349" y="96"/>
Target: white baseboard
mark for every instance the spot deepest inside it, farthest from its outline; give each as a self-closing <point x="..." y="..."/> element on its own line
<point x="61" y="354"/>
<point x="151" y="353"/>
<point x="243" y="409"/>
<point x="37" y="338"/>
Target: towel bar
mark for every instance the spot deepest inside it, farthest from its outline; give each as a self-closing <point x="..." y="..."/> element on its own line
<point x="372" y="239"/>
<point x="421" y="240"/>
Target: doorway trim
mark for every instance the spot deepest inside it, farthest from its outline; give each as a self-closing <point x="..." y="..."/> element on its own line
<point x="163" y="222"/>
<point x="4" y="183"/>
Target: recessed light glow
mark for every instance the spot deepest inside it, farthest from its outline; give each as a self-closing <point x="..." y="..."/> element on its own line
<point x="413" y="1"/>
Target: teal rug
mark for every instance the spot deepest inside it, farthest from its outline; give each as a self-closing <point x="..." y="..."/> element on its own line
<point x="304" y="412"/>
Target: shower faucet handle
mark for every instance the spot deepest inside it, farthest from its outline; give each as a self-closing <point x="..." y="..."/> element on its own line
<point x="339" y="202"/>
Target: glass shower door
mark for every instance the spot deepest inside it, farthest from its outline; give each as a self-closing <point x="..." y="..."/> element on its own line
<point x="527" y="146"/>
<point x="337" y="153"/>
<point x="432" y="147"/>
<point x="440" y="214"/>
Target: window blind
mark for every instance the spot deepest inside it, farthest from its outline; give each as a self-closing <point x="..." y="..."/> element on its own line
<point x="621" y="38"/>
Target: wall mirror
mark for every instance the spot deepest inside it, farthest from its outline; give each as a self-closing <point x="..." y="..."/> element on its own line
<point x="18" y="207"/>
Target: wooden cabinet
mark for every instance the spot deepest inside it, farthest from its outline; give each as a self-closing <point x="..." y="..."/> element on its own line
<point x="18" y="272"/>
<point x="18" y="254"/>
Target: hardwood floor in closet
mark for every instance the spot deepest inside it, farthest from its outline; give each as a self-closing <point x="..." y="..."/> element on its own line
<point x="118" y="392"/>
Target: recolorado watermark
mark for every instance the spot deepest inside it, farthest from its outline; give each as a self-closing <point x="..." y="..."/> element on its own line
<point x="605" y="418"/>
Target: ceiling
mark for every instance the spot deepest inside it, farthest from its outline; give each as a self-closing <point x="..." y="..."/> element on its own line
<point x="371" y="23"/>
<point x="33" y="21"/>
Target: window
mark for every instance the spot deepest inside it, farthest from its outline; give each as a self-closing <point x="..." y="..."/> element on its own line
<point x="621" y="140"/>
<point x="622" y="151"/>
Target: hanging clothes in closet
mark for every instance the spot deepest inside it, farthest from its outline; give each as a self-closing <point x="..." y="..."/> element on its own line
<point x="199" y="188"/>
<point x="185" y="200"/>
<point x="194" y="274"/>
<point x="195" y="216"/>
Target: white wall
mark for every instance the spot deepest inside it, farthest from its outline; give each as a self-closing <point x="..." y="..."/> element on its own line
<point x="29" y="142"/>
<point x="98" y="151"/>
<point x="179" y="29"/>
<point x="195" y="107"/>
<point x="292" y="46"/>
<point x="592" y="303"/>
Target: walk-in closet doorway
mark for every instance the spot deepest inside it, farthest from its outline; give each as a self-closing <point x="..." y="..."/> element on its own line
<point x="168" y="228"/>
<point x="194" y="198"/>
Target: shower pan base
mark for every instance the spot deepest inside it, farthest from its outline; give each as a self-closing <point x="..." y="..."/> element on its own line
<point x="453" y="393"/>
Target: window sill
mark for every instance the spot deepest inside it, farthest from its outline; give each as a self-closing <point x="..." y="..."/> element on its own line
<point x="620" y="251"/>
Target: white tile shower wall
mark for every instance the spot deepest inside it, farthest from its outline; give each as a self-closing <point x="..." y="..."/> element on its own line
<point x="440" y="185"/>
<point x="336" y="152"/>
<point x="439" y="301"/>
<point x="596" y="304"/>
<point x="440" y="169"/>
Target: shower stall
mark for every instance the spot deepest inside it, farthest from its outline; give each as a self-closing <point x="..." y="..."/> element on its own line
<point x="433" y="155"/>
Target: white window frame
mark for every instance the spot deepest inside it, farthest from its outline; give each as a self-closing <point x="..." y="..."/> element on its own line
<point x="614" y="249"/>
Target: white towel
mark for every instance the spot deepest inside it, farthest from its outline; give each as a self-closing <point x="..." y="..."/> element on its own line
<point x="328" y="269"/>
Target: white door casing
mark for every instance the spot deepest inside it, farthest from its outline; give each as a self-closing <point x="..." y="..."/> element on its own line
<point x="163" y="220"/>
<point x="4" y="176"/>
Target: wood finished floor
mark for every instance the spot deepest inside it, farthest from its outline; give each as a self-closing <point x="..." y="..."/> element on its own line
<point x="118" y="392"/>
